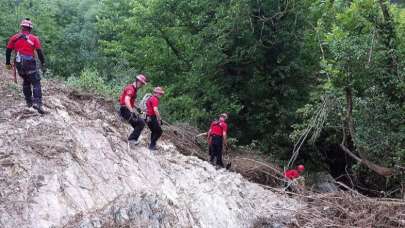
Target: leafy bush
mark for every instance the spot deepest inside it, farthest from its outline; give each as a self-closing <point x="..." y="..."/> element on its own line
<point x="90" y="80"/>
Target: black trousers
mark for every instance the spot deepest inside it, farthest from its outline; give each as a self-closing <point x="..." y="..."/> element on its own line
<point x="215" y="150"/>
<point x="31" y="82"/>
<point x="155" y="128"/>
<point x="137" y="123"/>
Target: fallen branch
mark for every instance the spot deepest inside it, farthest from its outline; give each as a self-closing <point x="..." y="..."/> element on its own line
<point x="202" y="134"/>
<point x="345" y="209"/>
<point x="383" y="171"/>
<point x="349" y="189"/>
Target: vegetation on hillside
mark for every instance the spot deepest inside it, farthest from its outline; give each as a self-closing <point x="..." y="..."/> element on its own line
<point x="327" y="71"/>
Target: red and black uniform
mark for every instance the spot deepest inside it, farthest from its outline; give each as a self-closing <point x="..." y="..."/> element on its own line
<point x="217" y="130"/>
<point x="130" y="91"/>
<point x="153" y="122"/>
<point x="292" y="174"/>
<point x="137" y="123"/>
<point x="25" y="44"/>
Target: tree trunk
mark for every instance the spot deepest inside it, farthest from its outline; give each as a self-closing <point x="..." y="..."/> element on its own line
<point x="388" y="31"/>
<point x="348" y="143"/>
<point x="403" y="190"/>
<point x="349" y="116"/>
<point x="348" y="130"/>
<point x="383" y="171"/>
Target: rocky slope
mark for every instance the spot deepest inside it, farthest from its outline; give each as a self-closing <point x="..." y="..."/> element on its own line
<point x="73" y="168"/>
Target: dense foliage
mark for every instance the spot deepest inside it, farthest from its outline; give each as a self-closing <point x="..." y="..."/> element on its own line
<point x="274" y="65"/>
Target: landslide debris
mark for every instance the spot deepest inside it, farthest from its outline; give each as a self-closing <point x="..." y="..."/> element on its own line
<point x="73" y="168"/>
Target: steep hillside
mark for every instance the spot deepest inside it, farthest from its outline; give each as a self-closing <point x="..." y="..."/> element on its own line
<point x="73" y="168"/>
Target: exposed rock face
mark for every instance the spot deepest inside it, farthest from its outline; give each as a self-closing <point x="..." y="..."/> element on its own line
<point x="323" y="182"/>
<point x="73" y="168"/>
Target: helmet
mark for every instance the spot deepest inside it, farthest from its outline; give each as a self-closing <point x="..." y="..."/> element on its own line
<point x="142" y="78"/>
<point x="300" y="168"/>
<point x="26" y="23"/>
<point x="159" y="90"/>
<point x="225" y="115"/>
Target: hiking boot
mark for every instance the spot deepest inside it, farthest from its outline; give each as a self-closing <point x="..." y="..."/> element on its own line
<point x="39" y="108"/>
<point x="152" y="147"/>
<point x="29" y="104"/>
<point x="133" y="142"/>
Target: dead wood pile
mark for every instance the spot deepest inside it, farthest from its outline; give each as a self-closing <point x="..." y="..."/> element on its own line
<point x="338" y="209"/>
<point x="348" y="209"/>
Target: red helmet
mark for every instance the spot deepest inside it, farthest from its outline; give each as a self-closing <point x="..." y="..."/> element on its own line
<point x="142" y="78"/>
<point x="300" y="168"/>
<point x="26" y="23"/>
<point x="159" y="90"/>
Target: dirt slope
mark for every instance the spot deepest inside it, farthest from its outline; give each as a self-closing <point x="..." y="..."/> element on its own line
<point x="73" y="168"/>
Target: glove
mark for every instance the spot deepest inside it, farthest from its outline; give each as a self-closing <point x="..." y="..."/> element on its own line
<point x="9" y="67"/>
<point x="44" y="68"/>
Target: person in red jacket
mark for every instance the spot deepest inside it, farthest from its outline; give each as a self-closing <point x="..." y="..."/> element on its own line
<point x="25" y="44"/>
<point x="295" y="182"/>
<point x="293" y="174"/>
<point x="217" y="139"/>
<point x="153" y="118"/>
<point x="128" y="109"/>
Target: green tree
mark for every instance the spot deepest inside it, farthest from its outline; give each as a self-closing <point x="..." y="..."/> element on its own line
<point x="361" y="69"/>
<point x="245" y="57"/>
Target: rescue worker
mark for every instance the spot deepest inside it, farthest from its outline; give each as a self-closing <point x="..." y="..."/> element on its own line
<point x="129" y="110"/>
<point x="295" y="182"/>
<point x="153" y="118"/>
<point x="25" y="44"/>
<point x="217" y="139"/>
<point x="293" y="174"/>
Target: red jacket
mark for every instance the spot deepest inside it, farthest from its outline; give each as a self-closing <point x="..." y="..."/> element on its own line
<point x="130" y="90"/>
<point x="152" y="102"/>
<point x="218" y="128"/>
<point x="25" y="46"/>
<point x="292" y="174"/>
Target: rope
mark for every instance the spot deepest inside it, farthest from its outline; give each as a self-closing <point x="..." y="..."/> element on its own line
<point x="315" y="126"/>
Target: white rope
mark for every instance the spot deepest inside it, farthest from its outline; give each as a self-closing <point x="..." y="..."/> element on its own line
<point x="315" y="126"/>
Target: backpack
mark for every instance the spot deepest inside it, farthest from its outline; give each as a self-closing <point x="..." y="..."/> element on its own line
<point x="144" y="101"/>
<point x="26" y="38"/>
